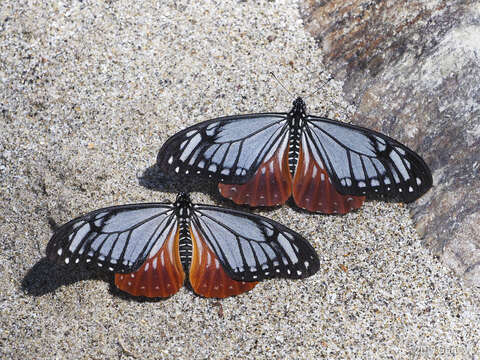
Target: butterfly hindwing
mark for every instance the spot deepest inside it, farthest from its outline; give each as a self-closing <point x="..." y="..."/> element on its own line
<point x="270" y="185"/>
<point x="312" y="188"/>
<point x="207" y="276"/>
<point x="252" y="248"/>
<point x="362" y="162"/>
<point x="228" y="149"/>
<point x="161" y="275"/>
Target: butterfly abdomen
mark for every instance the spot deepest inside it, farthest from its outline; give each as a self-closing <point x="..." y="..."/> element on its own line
<point x="185" y="244"/>
<point x="294" y="145"/>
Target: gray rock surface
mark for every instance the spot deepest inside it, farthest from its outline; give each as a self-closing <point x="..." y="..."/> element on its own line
<point x="413" y="70"/>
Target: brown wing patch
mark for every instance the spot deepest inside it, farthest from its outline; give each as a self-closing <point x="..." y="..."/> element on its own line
<point x="314" y="191"/>
<point x="161" y="275"/>
<point x="270" y="185"/>
<point x="207" y="276"/>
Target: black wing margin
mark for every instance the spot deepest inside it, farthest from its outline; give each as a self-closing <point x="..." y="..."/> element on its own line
<point x="116" y="239"/>
<point x="251" y="247"/>
<point x="360" y="161"/>
<point x="228" y="149"/>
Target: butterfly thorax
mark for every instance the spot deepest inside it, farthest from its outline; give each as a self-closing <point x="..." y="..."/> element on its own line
<point x="296" y="120"/>
<point x="183" y="208"/>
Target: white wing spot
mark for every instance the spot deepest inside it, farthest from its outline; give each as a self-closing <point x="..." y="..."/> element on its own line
<point x="59" y="252"/>
<point x="132" y="275"/>
<point x="177" y="169"/>
<point x="67" y="260"/>
<point x="170" y="160"/>
<point x="186" y="171"/>
<point x="129" y="283"/>
<point x="400" y="189"/>
<point x="122" y="277"/>
<point x="419" y="181"/>
<point x="88" y="260"/>
<point x="299" y="272"/>
<point x="110" y="268"/>
<point x="99" y="264"/>
<point x="307" y="264"/>
<point x="410" y="189"/>
<point x="77" y="260"/>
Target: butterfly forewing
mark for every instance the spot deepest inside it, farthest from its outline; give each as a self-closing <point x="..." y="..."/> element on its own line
<point x="361" y="162"/>
<point x="117" y="239"/>
<point x="253" y="248"/>
<point x="227" y="149"/>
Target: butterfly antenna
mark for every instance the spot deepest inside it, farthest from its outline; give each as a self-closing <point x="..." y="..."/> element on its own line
<point x="273" y="75"/>
<point x="320" y="87"/>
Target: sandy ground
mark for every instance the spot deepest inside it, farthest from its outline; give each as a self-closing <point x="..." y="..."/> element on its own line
<point x="89" y="91"/>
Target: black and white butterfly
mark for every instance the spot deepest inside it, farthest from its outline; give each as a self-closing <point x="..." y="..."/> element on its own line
<point x="151" y="248"/>
<point x="326" y="165"/>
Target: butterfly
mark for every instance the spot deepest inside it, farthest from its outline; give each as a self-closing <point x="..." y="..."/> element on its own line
<point x="325" y="165"/>
<point x="151" y="248"/>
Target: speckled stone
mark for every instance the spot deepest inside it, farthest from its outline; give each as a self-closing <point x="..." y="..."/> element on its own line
<point x="89" y="91"/>
<point x="413" y="69"/>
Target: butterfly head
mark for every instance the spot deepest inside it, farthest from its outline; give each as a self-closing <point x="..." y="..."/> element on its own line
<point x="299" y="108"/>
<point x="182" y="199"/>
<point x="183" y="205"/>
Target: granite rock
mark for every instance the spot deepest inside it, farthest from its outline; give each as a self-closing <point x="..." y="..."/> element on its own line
<point x="413" y="72"/>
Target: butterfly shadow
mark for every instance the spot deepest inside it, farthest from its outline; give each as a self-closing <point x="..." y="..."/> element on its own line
<point x="154" y="179"/>
<point x="46" y="277"/>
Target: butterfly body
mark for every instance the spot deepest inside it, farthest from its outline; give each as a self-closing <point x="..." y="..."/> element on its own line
<point x="296" y="124"/>
<point x="325" y="165"/>
<point x="153" y="249"/>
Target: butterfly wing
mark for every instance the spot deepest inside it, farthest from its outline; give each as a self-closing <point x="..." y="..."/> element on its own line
<point x="270" y="185"/>
<point x="139" y="243"/>
<point x="207" y="276"/>
<point x="312" y="188"/>
<point x="363" y="162"/>
<point x="248" y="247"/>
<point x="228" y="149"/>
